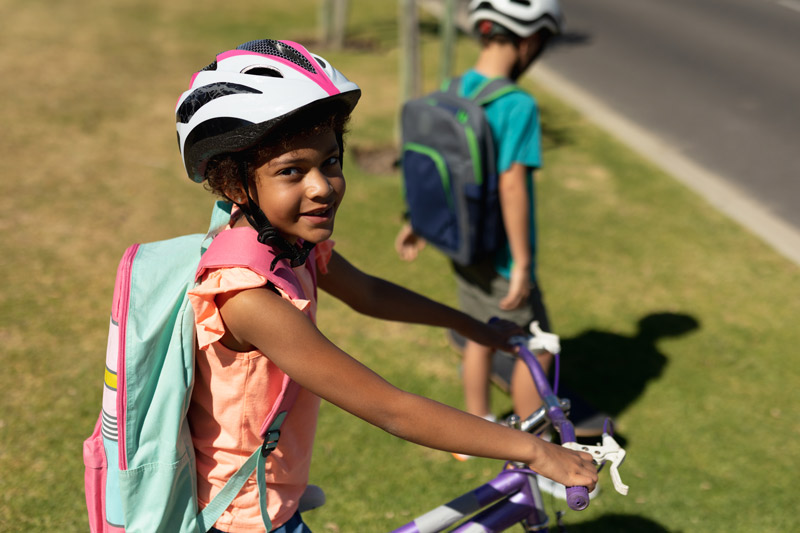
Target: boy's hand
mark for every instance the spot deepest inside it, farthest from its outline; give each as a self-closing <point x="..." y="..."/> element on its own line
<point x="408" y="244"/>
<point x="518" y="291"/>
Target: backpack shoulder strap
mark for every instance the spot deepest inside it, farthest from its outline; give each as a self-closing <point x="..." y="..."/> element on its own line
<point x="239" y="247"/>
<point x="451" y="86"/>
<point x="492" y="89"/>
<point x="486" y="92"/>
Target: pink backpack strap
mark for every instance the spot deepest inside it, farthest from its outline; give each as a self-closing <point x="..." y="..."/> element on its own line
<point x="283" y="403"/>
<point x="239" y="247"/>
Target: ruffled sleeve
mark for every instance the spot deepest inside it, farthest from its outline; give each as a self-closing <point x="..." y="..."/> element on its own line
<point x="208" y="321"/>
<point x="324" y="250"/>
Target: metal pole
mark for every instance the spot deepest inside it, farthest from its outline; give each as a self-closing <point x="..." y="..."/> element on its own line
<point x="447" y="31"/>
<point x="410" y="59"/>
<point x="340" y="10"/>
<point x="325" y="22"/>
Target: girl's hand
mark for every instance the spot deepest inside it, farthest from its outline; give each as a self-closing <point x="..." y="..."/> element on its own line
<point x="495" y="334"/>
<point x="568" y="467"/>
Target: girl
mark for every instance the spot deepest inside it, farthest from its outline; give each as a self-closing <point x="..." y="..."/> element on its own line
<point x="263" y="126"/>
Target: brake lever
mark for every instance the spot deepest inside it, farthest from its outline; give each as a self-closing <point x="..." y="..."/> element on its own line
<point x="539" y="340"/>
<point x="608" y="451"/>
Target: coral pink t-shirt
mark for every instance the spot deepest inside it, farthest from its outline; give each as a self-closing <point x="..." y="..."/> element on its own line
<point x="232" y="395"/>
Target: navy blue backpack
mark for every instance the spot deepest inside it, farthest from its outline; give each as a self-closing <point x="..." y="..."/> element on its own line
<point x="450" y="170"/>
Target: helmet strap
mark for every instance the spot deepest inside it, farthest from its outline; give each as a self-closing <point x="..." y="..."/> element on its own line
<point x="267" y="233"/>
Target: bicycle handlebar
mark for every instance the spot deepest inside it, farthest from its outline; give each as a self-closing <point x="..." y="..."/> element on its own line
<point x="577" y="497"/>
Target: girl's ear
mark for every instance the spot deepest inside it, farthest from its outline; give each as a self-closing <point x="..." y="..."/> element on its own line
<point x="236" y="194"/>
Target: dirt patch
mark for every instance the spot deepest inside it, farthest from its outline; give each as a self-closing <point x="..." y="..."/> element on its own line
<point x="381" y="160"/>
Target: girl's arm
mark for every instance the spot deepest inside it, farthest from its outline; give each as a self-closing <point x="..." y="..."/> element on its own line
<point x="260" y="318"/>
<point x="382" y="299"/>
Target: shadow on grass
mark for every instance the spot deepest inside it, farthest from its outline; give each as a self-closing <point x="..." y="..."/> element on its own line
<point x="612" y="370"/>
<point x="603" y="372"/>
<point x="617" y="523"/>
<point x="571" y="39"/>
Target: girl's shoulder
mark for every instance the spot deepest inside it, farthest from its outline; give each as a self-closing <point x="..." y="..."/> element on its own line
<point x="216" y="284"/>
<point x="239" y="247"/>
<point x="221" y="273"/>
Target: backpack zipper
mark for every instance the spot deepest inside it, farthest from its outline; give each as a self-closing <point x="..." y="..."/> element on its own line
<point x="121" y="315"/>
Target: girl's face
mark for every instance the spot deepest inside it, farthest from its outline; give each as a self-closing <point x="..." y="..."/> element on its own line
<point x="300" y="190"/>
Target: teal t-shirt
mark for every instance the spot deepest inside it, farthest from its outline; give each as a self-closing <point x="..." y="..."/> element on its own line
<point x="514" y="121"/>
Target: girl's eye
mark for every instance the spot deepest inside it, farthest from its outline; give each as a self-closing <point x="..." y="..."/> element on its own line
<point x="291" y="171"/>
<point x="333" y="161"/>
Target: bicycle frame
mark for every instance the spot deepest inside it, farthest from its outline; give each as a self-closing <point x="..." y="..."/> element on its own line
<point x="516" y="498"/>
<point x="513" y="496"/>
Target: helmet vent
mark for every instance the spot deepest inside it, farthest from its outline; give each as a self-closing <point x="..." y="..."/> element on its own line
<point x="208" y="93"/>
<point x="271" y="47"/>
<point x="260" y="70"/>
<point x="321" y="62"/>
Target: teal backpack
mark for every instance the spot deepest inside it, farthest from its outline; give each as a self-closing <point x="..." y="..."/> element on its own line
<point x="140" y="465"/>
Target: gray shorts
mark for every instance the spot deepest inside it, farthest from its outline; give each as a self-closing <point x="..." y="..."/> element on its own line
<point x="480" y="290"/>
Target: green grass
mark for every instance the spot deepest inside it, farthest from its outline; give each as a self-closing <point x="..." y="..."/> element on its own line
<point x="674" y="319"/>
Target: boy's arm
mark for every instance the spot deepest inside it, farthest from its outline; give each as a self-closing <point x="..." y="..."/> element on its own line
<point x="382" y="299"/>
<point x="515" y="208"/>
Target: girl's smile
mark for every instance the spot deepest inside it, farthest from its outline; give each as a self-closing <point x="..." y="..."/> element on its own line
<point x="319" y="216"/>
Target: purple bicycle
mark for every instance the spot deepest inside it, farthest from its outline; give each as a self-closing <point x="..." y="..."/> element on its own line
<point x="513" y="497"/>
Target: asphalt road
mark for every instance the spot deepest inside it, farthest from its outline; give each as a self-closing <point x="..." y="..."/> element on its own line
<point x="718" y="81"/>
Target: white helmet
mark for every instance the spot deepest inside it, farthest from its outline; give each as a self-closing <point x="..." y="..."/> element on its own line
<point x="246" y="92"/>
<point x="521" y="17"/>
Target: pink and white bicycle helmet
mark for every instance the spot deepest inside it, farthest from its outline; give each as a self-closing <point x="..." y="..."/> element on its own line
<point x="521" y="17"/>
<point x="241" y="97"/>
<point x="246" y="92"/>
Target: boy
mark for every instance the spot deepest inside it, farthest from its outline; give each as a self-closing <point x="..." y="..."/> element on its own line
<point x="512" y="35"/>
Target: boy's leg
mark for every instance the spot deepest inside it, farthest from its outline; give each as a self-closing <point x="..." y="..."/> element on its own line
<point x="587" y="420"/>
<point x="524" y="395"/>
<point x="523" y="391"/>
<point x="475" y="375"/>
<point x="473" y="284"/>
<point x="475" y="371"/>
<point x="473" y="299"/>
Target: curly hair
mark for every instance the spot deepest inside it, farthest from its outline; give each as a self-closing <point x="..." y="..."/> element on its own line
<point x="223" y="172"/>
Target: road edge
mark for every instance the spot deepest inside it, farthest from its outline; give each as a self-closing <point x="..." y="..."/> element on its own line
<point x="723" y="196"/>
